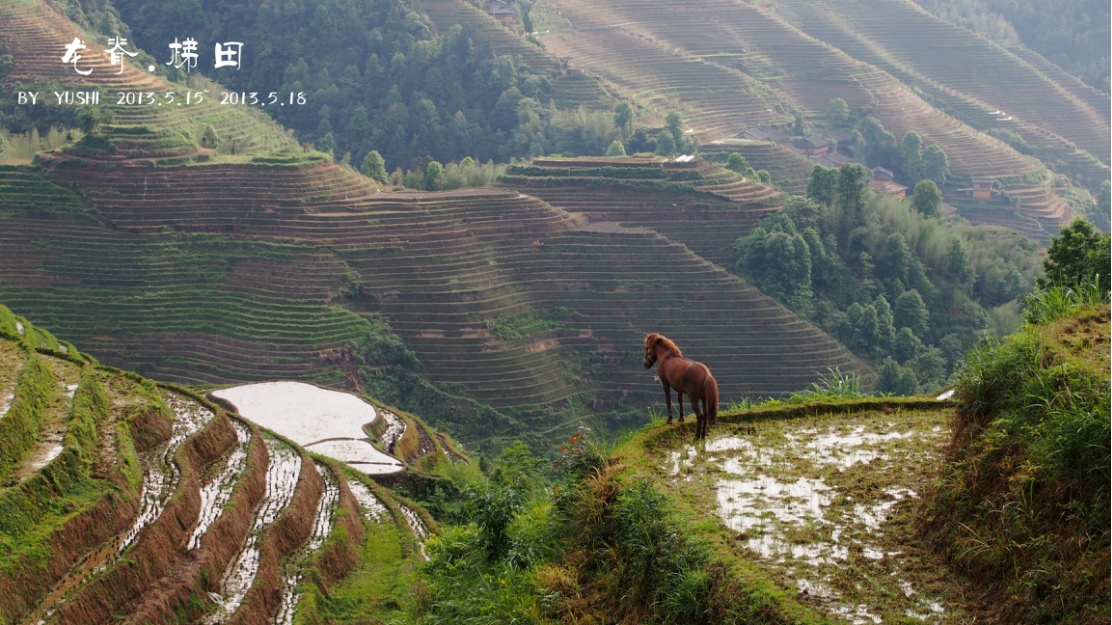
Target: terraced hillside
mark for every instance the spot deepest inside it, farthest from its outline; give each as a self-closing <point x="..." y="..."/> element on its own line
<point x="462" y="277"/>
<point x="570" y="90"/>
<point x="127" y="500"/>
<point x="970" y="74"/>
<point x="780" y="55"/>
<point x="615" y="195"/>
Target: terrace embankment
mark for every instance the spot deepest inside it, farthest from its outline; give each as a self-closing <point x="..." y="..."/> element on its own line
<point x="281" y="538"/>
<point x="158" y="546"/>
<point x="82" y="499"/>
<point x="218" y="545"/>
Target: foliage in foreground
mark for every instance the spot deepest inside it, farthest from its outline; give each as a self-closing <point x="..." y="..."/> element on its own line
<point x="1023" y="504"/>
<point x="594" y="547"/>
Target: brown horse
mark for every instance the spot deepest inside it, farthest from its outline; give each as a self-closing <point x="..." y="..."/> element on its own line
<point x="687" y="377"/>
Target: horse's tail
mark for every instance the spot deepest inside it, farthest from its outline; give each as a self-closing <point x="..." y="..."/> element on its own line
<point x="710" y="392"/>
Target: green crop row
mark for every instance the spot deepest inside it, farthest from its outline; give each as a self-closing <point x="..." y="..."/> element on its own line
<point x="34" y="392"/>
<point x="23" y="507"/>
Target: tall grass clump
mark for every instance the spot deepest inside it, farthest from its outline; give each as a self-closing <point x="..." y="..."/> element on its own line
<point x="1023" y="503"/>
<point x="585" y="544"/>
<point x="836" y="385"/>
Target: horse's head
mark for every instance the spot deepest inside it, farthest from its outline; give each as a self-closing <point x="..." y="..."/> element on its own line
<point x="650" y="354"/>
<point x="652" y="342"/>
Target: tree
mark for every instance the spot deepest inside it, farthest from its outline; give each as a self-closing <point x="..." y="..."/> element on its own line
<point x="665" y="143"/>
<point x="737" y="163"/>
<point x="6" y="64"/>
<point x="640" y="142"/>
<point x="780" y="260"/>
<point x="880" y="145"/>
<point x="906" y="346"/>
<point x="623" y="117"/>
<point x="958" y="268"/>
<point x="764" y="176"/>
<point x="822" y="184"/>
<point x="673" y="121"/>
<point x="894" y="262"/>
<point x="1078" y="254"/>
<point x="853" y="182"/>
<point x="209" y="138"/>
<point x="374" y="167"/>
<point x="936" y="166"/>
<point x="92" y="118"/>
<point x="897" y="380"/>
<point x="616" y="148"/>
<point x="432" y="171"/>
<point x="910" y="312"/>
<point x="885" y="332"/>
<point x="866" y="327"/>
<point x="1101" y="214"/>
<point x="911" y="157"/>
<point x="927" y="199"/>
<point x="798" y="129"/>
<point x="837" y="110"/>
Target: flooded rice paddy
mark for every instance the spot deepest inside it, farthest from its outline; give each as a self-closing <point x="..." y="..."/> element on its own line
<point x="218" y="488"/>
<point x="417" y="526"/>
<point x="373" y="510"/>
<point x="325" y="422"/>
<point x="817" y="504"/>
<point x="281" y="481"/>
<point x="322" y="527"/>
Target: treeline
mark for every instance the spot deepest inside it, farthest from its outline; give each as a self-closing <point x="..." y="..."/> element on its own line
<point x="900" y="286"/>
<point x="1073" y="35"/>
<point x="377" y="78"/>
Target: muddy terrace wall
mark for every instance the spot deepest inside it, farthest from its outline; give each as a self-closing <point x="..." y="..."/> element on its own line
<point x="281" y="538"/>
<point x="35" y="574"/>
<point x="159" y="546"/>
<point x="340" y="553"/>
<point x="174" y="597"/>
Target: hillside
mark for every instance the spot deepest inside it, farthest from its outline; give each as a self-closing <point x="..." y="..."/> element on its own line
<point x="126" y="499"/>
<point x="278" y="249"/>
<point x="770" y="61"/>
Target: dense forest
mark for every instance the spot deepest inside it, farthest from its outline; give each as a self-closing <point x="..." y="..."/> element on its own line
<point x="891" y="279"/>
<point x="1073" y="35"/>
<point x="376" y="77"/>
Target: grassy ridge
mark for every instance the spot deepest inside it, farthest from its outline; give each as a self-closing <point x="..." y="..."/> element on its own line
<point x="1023" y="505"/>
<point x="34" y="391"/>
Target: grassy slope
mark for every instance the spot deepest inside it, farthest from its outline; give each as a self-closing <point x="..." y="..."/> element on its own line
<point x="1023" y="506"/>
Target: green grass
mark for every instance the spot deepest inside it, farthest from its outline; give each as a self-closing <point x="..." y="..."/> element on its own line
<point x="1023" y="503"/>
<point x="35" y="390"/>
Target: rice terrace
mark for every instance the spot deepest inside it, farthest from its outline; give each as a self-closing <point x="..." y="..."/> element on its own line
<point x="359" y="312"/>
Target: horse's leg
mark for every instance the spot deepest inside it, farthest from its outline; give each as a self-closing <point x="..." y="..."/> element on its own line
<point x="706" y="417"/>
<point x="679" y="400"/>
<point x="699" y="417"/>
<point x="668" y="398"/>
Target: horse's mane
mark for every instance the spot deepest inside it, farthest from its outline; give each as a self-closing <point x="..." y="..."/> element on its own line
<point x="664" y="341"/>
